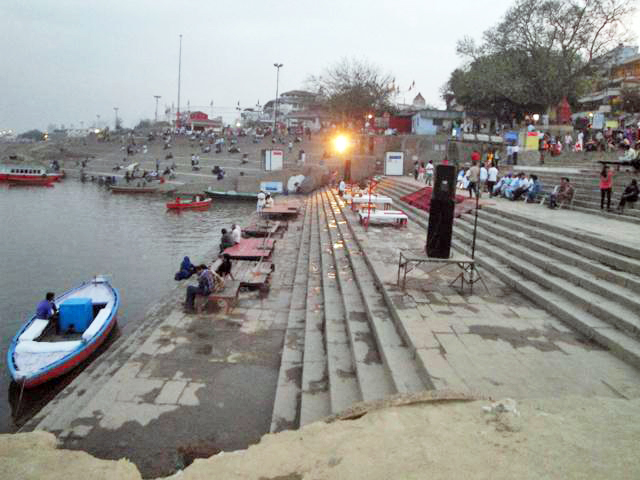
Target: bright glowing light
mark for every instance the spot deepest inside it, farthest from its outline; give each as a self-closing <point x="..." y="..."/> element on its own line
<point x="96" y="131"/>
<point x="341" y="143"/>
<point x="590" y="114"/>
<point x="238" y="124"/>
<point x="369" y="116"/>
<point x="536" y="117"/>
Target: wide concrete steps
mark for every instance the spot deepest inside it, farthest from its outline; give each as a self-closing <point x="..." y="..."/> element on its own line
<point x="288" y="391"/>
<point x="609" y="320"/>
<point x="397" y="356"/>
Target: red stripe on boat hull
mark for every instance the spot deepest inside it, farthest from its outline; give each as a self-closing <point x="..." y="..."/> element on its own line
<point x="72" y="362"/>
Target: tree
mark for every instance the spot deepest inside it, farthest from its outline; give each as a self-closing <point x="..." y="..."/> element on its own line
<point x="630" y="100"/>
<point x="35" y="135"/>
<point x="555" y="44"/>
<point x="351" y="89"/>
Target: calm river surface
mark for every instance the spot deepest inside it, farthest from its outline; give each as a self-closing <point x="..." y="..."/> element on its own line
<point x="52" y="239"/>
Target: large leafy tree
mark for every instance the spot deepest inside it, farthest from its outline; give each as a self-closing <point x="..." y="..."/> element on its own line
<point x="544" y="50"/>
<point x="351" y="89"/>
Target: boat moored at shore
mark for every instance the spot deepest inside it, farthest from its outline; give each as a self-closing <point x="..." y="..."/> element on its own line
<point x="46" y="349"/>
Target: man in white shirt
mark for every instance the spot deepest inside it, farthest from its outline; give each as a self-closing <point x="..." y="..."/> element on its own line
<point x="492" y="178"/>
<point x="484" y="175"/>
<point x="429" y="179"/>
<point x="236" y="233"/>
<point x="261" y="200"/>
<point x="342" y="187"/>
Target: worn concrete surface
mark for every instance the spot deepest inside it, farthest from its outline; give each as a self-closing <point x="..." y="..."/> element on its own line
<point x="494" y="342"/>
<point x="190" y="386"/>
<point x="565" y="437"/>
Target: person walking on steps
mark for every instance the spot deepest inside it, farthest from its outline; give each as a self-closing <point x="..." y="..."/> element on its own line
<point x="606" y="183"/>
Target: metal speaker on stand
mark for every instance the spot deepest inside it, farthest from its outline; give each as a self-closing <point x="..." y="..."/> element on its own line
<point x="441" y="212"/>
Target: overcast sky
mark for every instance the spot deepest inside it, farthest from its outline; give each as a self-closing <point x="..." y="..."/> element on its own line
<point x="67" y="61"/>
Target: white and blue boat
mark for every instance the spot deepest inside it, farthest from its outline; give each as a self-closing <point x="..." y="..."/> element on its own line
<point x="43" y="349"/>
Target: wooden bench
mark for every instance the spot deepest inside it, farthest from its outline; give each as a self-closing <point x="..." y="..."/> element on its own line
<point x="227" y="297"/>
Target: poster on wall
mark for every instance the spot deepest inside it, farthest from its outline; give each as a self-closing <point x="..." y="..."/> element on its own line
<point x="273" y="159"/>
<point x="394" y="163"/>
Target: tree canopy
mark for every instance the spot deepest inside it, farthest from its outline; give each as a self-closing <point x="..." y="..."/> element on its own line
<point x="351" y="89"/>
<point x="540" y="52"/>
<point x="35" y="135"/>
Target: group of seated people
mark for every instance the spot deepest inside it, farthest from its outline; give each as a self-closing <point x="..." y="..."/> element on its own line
<point x="517" y="186"/>
<point x="230" y="237"/>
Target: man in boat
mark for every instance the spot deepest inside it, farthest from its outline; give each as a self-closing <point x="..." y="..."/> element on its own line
<point x="47" y="310"/>
<point x="206" y="283"/>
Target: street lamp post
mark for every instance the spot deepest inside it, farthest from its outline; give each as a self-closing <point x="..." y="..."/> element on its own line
<point x="157" y="97"/>
<point x="275" y="113"/>
<point x="179" y="73"/>
<point x="115" y="109"/>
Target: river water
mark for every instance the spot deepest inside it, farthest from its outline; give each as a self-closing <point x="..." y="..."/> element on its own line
<point x="52" y="239"/>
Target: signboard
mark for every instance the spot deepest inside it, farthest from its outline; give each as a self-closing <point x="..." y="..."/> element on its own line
<point x="273" y="159"/>
<point x="271" y="187"/>
<point x="531" y="141"/>
<point x="598" y="121"/>
<point x="394" y="163"/>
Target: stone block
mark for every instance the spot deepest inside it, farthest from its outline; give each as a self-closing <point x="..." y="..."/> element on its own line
<point x="170" y="392"/>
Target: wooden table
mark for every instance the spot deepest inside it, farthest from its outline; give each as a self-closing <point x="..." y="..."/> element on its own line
<point x="281" y="211"/>
<point x="265" y="229"/>
<point x="468" y="271"/>
<point x="396" y="217"/>
<point x="251" y="249"/>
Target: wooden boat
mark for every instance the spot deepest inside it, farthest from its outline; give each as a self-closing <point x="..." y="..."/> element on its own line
<point x="42" y="351"/>
<point x="231" y="194"/>
<point x="132" y="189"/>
<point x="194" y="202"/>
<point x="26" y="175"/>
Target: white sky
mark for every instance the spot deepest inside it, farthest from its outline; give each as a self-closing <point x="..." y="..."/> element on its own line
<point x="67" y="61"/>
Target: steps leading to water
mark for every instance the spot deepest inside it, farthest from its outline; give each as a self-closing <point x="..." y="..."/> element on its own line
<point x="589" y="282"/>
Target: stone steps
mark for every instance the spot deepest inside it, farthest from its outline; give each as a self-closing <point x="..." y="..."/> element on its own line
<point x="596" y="316"/>
<point x="398" y="357"/>
<point x="570" y="253"/>
<point x="344" y="389"/>
<point x="315" y="400"/>
<point x="373" y="379"/>
<point x="288" y="391"/>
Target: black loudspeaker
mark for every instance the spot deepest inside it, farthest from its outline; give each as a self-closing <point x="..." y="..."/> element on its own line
<point x="441" y="212"/>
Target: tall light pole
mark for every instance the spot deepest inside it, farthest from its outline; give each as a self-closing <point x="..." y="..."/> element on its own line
<point x="275" y="113"/>
<point x="157" y="97"/>
<point x="179" y="72"/>
<point x="115" y="109"/>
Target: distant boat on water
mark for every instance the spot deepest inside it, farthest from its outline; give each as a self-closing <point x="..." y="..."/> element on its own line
<point x="27" y="175"/>
<point x="231" y="194"/>
<point x="191" y="202"/>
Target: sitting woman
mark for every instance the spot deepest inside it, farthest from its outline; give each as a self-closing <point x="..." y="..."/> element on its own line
<point x="186" y="269"/>
<point x="268" y="201"/>
<point x="630" y="195"/>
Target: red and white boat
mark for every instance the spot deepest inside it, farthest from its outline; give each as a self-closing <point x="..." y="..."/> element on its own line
<point x="43" y="350"/>
<point x="195" y="202"/>
<point x="28" y="175"/>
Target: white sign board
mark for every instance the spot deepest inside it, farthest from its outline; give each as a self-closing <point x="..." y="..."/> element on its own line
<point x="394" y="163"/>
<point x="273" y="159"/>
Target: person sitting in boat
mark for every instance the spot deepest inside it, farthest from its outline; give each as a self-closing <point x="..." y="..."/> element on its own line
<point x="226" y="241"/>
<point x="186" y="269"/>
<point x="46" y="309"/>
<point x="224" y="268"/>
<point x="206" y="285"/>
<point x="236" y="233"/>
<point x="268" y="203"/>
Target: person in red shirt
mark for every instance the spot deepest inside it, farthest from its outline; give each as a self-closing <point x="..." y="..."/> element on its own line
<point x="606" y="182"/>
<point x="475" y="157"/>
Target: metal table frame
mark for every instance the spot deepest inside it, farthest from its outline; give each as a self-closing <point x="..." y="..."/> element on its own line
<point x="469" y="273"/>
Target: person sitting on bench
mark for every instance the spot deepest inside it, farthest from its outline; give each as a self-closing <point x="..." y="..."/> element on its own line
<point x="562" y="193"/>
<point x="630" y="195"/>
<point x="206" y="285"/>
<point x="226" y="241"/>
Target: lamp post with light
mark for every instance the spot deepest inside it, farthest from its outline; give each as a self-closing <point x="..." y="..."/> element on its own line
<point x="275" y="113"/>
